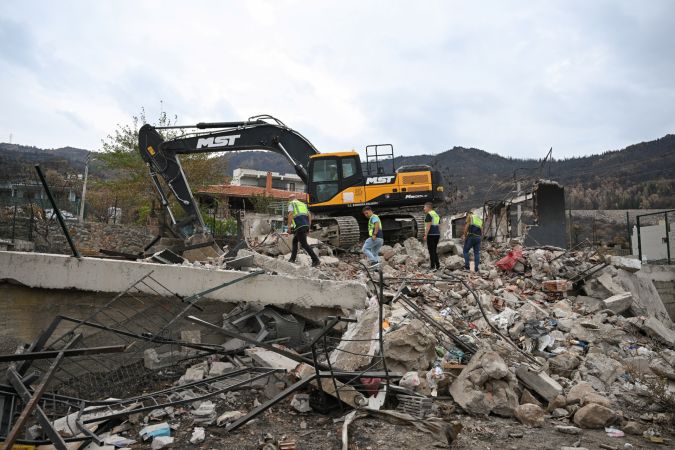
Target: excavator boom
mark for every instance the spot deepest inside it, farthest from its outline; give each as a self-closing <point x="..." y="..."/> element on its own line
<point x="255" y="134"/>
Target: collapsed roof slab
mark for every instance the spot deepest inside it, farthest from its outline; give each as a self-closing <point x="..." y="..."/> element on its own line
<point x="41" y="270"/>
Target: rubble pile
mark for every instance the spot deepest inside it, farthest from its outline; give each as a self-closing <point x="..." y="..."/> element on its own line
<point x="541" y="338"/>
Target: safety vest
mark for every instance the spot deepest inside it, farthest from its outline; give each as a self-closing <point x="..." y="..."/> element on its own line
<point x="300" y="210"/>
<point x="434" y="230"/>
<point x="476" y="225"/>
<point x="371" y="225"/>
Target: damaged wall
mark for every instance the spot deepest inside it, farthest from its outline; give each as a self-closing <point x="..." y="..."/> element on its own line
<point x="549" y="209"/>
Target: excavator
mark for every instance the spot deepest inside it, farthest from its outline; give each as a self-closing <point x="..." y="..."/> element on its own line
<point x="338" y="184"/>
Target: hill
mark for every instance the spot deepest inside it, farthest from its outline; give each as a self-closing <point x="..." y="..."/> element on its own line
<point x="639" y="176"/>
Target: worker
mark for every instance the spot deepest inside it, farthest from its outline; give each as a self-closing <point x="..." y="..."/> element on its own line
<point x="432" y="234"/>
<point x="371" y="248"/>
<point x="299" y="221"/>
<point x="473" y="230"/>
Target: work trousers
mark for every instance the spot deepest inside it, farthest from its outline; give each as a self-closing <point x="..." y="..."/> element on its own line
<point x="371" y="248"/>
<point x="472" y="242"/>
<point x="300" y="237"/>
<point x="432" y="243"/>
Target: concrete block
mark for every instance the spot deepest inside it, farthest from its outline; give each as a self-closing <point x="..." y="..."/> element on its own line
<point x="540" y="383"/>
<point x="40" y="270"/>
<point x="629" y="264"/>
<point x="618" y="303"/>
<point x="268" y="358"/>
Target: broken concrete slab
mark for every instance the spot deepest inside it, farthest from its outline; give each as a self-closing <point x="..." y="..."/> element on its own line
<point x="359" y="343"/>
<point x="646" y="299"/>
<point x="608" y="283"/>
<point x="477" y="393"/>
<point x="618" y="303"/>
<point x="268" y="358"/>
<point x="629" y="264"/>
<point x="410" y="347"/>
<point x="540" y="383"/>
<point x="655" y="329"/>
<point x="48" y="271"/>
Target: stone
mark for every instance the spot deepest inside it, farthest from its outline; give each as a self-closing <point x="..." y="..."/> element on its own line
<point x="300" y="403"/>
<point x="228" y="417"/>
<point x="268" y="358"/>
<point x="603" y="367"/>
<point x="479" y="394"/>
<point x="565" y="325"/>
<point x="628" y="264"/>
<point x="445" y="248"/>
<point x="530" y="415"/>
<point x="454" y="262"/>
<point x="661" y="368"/>
<point x="563" y="364"/>
<point x="578" y="391"/>
<point x="494" y="365"/>
<point x="594" y="416"/>
<point x="219" y="368"/>
<point x="608" y="283"/>
<point x="646" y="299"/>
<point x="329" y="261"/>
<point x="655" y="328"/>
<point x="198" y="435"/>
<point x="632" y="427"/>
<point x="618" y="303"/>
<point x="559" y="402"/>
<point x="598" y="399"/>
<point x="527" y="397"/>
<point x="568" y="429"/>
<point x="540" y="383"/>
<point x="358" y="349"/>
<point x="559" y="412"/>
<point x="410" y="347"/>
<point x="205" y="414"/>
<point x="192" y="374"/>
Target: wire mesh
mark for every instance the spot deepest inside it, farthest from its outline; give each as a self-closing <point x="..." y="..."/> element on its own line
<point x="138" y="321"/>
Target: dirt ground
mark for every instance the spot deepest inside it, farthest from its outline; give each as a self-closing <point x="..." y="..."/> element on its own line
<point x="314" y="431"/>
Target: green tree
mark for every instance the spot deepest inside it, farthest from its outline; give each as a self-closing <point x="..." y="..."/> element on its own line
<point x="130" y="183"/>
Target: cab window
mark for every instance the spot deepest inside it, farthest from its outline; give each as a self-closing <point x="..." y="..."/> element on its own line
<point x="325" y="170"/>
<point x="348" y="167"/>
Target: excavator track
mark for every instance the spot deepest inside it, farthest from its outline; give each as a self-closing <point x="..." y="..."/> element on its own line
<point x="341" y="232"/>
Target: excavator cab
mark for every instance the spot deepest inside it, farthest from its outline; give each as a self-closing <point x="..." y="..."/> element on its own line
<point x="330" y="176"/>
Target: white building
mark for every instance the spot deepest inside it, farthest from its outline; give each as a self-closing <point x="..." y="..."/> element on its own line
<point x="250" y="177"/>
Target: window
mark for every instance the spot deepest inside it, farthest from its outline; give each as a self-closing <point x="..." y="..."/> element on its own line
<point x="325" y="178"/>
<point x="291" y="187"/>
<point x="325" y="170"/>
<point x="348" y="167"/>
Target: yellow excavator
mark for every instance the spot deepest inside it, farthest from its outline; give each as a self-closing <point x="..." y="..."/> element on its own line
<point x="338" y="184"/>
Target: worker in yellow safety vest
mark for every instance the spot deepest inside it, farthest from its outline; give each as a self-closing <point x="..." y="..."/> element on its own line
<point x="473" y="231"/>
<point x="299" y="221"/>
<point x="432" y="234"/>
<point x="371" y="248"/>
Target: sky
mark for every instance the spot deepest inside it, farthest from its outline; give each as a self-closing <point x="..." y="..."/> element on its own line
<point x="508" y="77"/>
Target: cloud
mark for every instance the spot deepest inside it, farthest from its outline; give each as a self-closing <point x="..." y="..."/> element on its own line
<point x="504" y="76"/>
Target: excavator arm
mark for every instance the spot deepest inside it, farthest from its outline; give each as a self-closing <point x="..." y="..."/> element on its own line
<point x="254" y="134"/>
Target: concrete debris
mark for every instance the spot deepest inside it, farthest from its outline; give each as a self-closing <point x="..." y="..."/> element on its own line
<point x="530" y="415"/>
<point x="546" y="339"/>
<point x="198" y="435"/>
<point x="618" y="303"/>
<point x="594" y="416"/>
<point x="486" y="386"/>
<point x="410" y="347"/>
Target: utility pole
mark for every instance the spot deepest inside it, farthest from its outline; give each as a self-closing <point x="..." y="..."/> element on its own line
<point x="84" y="187"/>
<point x="519" y="227"/>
